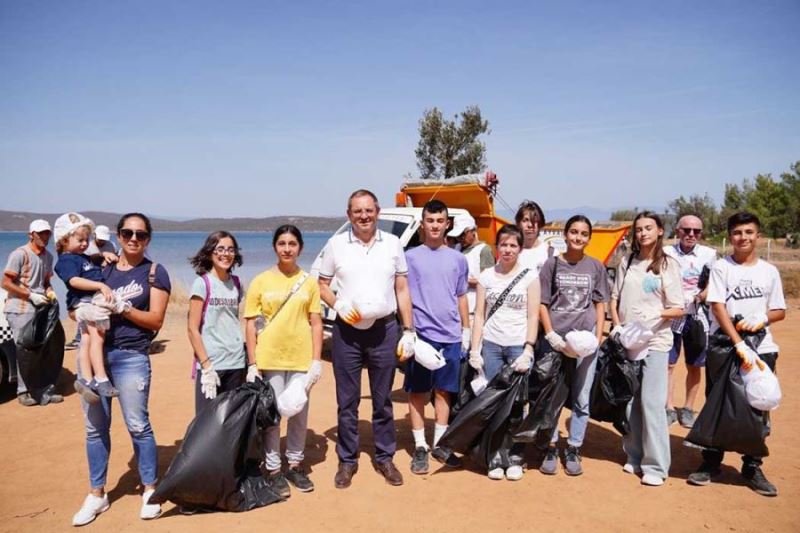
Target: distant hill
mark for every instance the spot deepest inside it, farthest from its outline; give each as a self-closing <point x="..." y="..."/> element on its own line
<point x="20" y="220"/>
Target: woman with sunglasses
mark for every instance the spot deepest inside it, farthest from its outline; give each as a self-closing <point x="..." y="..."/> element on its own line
<point x="648" y="289"/>
<point x="288" y="349"/>
<point x="214" y="330"/>
<point x="535" y="251"/>
<point x="142" y="289"/>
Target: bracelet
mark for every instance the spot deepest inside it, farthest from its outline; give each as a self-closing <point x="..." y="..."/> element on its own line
<point x="204" y="361"/>
<point x="408" y="328"/>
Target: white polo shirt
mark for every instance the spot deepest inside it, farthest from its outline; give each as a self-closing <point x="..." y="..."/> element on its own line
<point x="364" y="271"/>
<point x="692" y="264"/>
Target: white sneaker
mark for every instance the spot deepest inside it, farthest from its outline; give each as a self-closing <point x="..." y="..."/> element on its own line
<point x="652" y="480"/>
<point x="497" y="473"/>
<point x="149" y="510"/>
<point x="630" y="469"/>
<point x="514" y="473"/>
<point x="92" y="506"/>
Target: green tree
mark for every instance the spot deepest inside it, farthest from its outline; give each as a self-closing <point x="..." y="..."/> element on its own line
<point x="450" y="148"/>
<point x="623" y="215"/>
<point x="702" y="207"/>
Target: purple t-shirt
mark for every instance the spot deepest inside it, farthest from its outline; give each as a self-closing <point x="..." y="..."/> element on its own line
<point x="436" y="278"/>
<point x="132" y="285"/>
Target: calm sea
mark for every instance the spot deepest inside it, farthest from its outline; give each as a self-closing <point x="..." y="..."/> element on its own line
<point x="173" y="250"/>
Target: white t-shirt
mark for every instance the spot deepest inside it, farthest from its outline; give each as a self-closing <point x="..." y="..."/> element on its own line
<point x="508" y="326"/>
<point x="692" y="264"/>
<point x="364" y="271"/>
<point x="642" y="294"/>
<point x="473" y="257"/>
<point x="746" y="290"/>
<point x="535" y="257"/>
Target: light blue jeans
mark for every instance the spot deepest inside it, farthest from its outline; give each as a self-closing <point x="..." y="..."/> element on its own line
<point x="579" y="400"/>
<point x="495" y="356"/>
<point x="647" y="443"/>
<point x="130" y="372"/>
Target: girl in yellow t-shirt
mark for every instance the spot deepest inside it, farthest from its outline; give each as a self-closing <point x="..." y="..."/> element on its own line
<point x="287" y="349"/>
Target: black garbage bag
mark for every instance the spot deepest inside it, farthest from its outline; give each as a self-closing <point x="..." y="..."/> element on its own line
<point x="550" y="381"/>
<point x="695" y="338"/>
<point x="481" y="427"/>
<point x="217" y="466"/>
<point x="41" y="352"/>
<point x="727" y="422"/>
<point x="465" y="394"/>
<point x="616" y="381"/>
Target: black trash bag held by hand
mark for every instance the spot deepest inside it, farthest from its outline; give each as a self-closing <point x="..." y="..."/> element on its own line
<point x="42" y="348"/>
<point x="727" y="421"/>
<point x="550" y="380"/>
<point x="465" y="394"/>
<point x="481" y="424"/>
<point x="217" y="466"/>
<point x="616" y="382"/>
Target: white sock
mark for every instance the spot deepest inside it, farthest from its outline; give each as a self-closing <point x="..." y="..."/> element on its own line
<point x="100" y="380"/>
<point x="419" y="438"/>
<point x="438" y="431"/>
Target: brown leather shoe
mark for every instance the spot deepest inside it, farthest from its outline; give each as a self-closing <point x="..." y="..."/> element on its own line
<point x="390" y="473"/>
<point x="344" y="475"/>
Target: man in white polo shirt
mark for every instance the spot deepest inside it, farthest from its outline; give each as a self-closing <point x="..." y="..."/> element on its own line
<point x="479" y="255"/>
<point x="371" y="273"/>
<point x="693" y="258"/>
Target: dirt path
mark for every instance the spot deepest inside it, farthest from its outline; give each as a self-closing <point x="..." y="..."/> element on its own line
<point x="44" y="472"/>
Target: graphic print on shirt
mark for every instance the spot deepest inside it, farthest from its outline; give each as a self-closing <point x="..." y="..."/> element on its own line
<point x="651" y="283"/>
<point x="129" y="291"/>
<point x="576" y="293"/>
<point x="746" y="290"/>
<point x="691" y="276"/>
<point x="514" y="300"/>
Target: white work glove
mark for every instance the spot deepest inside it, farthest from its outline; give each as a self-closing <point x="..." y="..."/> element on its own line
<point x="209" y="381"/>
<point x="314" y="374"/>
<point x="466" y="339"/>
<point x="615" y="331"/>
<point x="405" y="348"/>
<point x="37" y="299"/>
<point x="346" y="311"/>
<point x="556" y="341"/>
<point x="752" y="323"/>
<point x="252" y="373"/>
<point x="475" y="360"/>
<point x="121" y="306"/>
<point x="746" y="354"/>
<point x="523" y="363"/>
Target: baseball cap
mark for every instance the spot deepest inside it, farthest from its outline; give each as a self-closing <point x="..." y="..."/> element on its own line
<point x="69" y="222"/>
<point x="461" y="223"/>
<point x="39" y="225"/>
<point x="102" y="233"/>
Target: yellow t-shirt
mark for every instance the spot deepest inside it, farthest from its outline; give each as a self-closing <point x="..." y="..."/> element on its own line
<point x="285" y="343"/>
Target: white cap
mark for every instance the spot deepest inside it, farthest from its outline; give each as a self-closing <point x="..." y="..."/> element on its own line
<point x="39" y="225"/>
<point x="461" y="223"/>
<point x="102" y="233"/>
<point x="69" y="222"/>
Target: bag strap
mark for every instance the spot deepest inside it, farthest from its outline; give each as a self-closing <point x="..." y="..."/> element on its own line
<point x="151" y="276"/>
<point x="207" y="283"/>
<point x="625" y="275"/>
<point x="505" y="293"/>
<point x="295" y="288"/>
<point x="238" y="283"/>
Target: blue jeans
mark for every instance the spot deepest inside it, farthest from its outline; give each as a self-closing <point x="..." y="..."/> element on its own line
<point x="579" y="400"/>
<point x="495" y="356"/>
<point x="130" y="372"/>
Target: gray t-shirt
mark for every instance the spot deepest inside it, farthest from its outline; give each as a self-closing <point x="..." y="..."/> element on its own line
<point x="31" y="271"/>
<point x="577" y="289"/>
<point x="222" y="333"/>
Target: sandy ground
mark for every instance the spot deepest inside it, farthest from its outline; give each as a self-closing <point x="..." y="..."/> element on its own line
<point x="44" y="472"/>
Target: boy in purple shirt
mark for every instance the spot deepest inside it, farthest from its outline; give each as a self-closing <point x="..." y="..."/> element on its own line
<point x="437" y="279"/>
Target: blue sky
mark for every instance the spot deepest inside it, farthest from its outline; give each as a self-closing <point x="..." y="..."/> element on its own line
<point x="265" y="108"/>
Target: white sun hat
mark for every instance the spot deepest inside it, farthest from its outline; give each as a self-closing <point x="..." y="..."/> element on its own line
<point x="69" y="222"/>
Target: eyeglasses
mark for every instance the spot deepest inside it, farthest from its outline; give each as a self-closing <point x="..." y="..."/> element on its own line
<point x="128" y="234"/>
<point x="221" y="250"/>
<point x="691" y="231"/>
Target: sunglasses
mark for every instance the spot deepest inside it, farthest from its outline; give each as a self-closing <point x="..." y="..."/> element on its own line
<point x="128" y="234"/>
<point x="221" y="250"/>
<point x="691" y="231"/>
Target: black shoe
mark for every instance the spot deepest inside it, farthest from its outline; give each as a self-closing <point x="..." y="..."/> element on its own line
<point x="74" y="344"/>
<point x="572" y="464"/>
<point x="50" y="396"/>
<point x="419" y="461"/>
<point x="704" y="475"/>
<point x="447" y="457"/>
<point x="298" y="477"/>
<point x="344" y="475"/>
<point x="757" y="481"/>
<point x="277" y="482"/>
